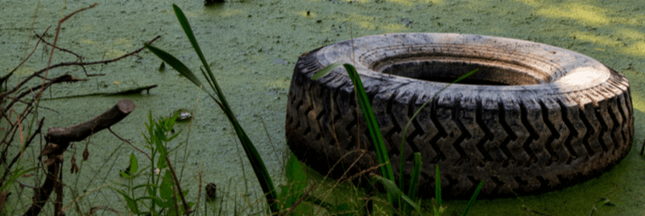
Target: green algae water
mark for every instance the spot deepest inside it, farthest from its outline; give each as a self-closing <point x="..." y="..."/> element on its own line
<point x="252" y="46"/>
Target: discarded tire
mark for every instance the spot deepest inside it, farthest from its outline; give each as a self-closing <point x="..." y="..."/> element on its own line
<point x="534" y="118"/>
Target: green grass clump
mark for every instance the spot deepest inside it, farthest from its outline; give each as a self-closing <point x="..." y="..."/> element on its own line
<point x="160" y="192"/>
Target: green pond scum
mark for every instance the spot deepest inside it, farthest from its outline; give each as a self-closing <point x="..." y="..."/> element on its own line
<point x="252" y="46"/>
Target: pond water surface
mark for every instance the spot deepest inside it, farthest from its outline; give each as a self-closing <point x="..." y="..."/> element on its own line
<point x="252" y="46"/>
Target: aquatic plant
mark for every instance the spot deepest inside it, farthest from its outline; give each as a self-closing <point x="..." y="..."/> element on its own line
<point x="252" y="154"/>
<point x="163" y="191"/>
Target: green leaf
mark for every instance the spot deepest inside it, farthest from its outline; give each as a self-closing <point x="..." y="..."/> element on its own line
<point x="416" y="172"/>
<point x="174" y="63"/>
<point x="396" y="193"/>
<point x="343" y="209"/>
<point x="143" y="185"/>
<point x="296" y="183"/>
<point x="120" y="191"/>
<point x="414" y="180"/>
<point x="152" y="190"/>
<point x="171" y="122"/>
<point x="167" y="204"/>
<point x="325" y="71"/>
<point x="166" y="186"/>
<point x="159" y="145"/>
<point x="144" y="136"/>
<point x="173" y="136"/>
<point x="160" y="133"/>
<point x="465" y="76"/>
<point x="132" y="205"/>
<point x="162" y="67"/>
<point x="134" y="165"/>
<point x="472" y="199"/>
<point x="159" y="202"/>
<point x="191" y="37"/>
<point x="123" y="174"/>
<point x="295" y="172"/>
<point x="161" y="163"/>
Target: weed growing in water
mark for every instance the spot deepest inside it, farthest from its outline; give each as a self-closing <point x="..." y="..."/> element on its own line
<point x="161" y="192"/>
<point x="252" y="154"/>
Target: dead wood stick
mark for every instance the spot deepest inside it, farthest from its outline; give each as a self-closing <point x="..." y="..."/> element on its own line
<point x="81" y="131"/>
<point x="58" y="140"/>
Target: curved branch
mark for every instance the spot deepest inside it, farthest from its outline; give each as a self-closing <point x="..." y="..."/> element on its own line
<point x="58" y="140"/>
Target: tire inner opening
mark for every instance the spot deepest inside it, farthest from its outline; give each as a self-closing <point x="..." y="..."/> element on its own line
<point x="494" y="73"/>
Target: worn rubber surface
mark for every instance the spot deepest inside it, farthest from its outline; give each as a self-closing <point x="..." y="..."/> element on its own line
<point x="533" y="119"/>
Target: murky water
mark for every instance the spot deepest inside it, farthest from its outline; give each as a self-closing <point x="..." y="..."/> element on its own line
<point x="252" y="46"/>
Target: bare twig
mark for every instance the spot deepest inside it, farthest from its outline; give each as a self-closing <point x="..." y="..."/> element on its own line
<point x="80" y="58"/>
<point x="40" y="126"/>
<point x="181" y="193"/>
<point x="117" y="136"/>
<point x="6" y="77"/>
<point x="29" y="103"/>
<point x="58" y="140"/>
<point x="199" y="186"/>
<point x="51" y="54"/>
<point x="64" y="78"/>
<point x="190" y="126"/>
<point x="301" y="199"/>
<point x="65" y="64"/>
<point x="85" y="194"/>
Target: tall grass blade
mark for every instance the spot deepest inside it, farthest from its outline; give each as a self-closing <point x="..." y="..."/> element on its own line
<point x="472" y="199"/>
<point x="191" y="37"/>
<point x="325" y="71"/>
<point x="414" y="179"/>
<point x="437" y="186"/>
<point x="464" y="76"/>
<point x="174" y="63"/>
<point x="256" y="161"/>
<point x="391" y="187"/>
<point x="372" y="124"/>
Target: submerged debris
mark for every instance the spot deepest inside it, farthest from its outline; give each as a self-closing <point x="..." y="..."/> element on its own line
<point x="211" y="191"/>
<point x="212" y="2"/>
